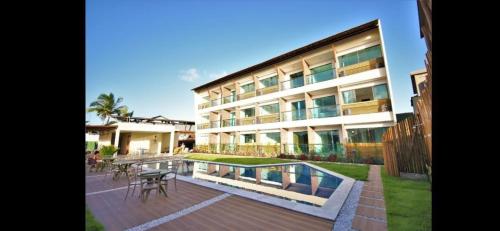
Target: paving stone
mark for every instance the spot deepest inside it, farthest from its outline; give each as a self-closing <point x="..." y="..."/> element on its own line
<point x="365" y="224"/>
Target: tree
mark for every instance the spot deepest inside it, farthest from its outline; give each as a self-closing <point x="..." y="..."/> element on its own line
<point x="106" y="106"/>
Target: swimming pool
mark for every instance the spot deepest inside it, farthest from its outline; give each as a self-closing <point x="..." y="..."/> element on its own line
<point x="299" y="186"/>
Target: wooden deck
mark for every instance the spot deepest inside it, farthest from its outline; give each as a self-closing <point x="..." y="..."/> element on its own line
<point x="231" y="213"/>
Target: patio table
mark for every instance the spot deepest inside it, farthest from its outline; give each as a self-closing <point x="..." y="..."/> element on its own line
<point x="122" y="168"/>
<point x="151" y="173"/>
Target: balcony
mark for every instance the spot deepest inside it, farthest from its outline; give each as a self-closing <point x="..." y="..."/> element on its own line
<point x="293" y="115"/>
<point x="321" y="76"/>
<point x="228" y="99"/>
<point x="362" y="66"/>
<point x="372" y="106"/>
<point x="325" y="111"/>
<point x="215" y="102"/>
<point x="203" y="126"/>
<point x="246" y="95"/>
<point x="203" y="105"/>
<point x="292" y="83"/>
<point x="271" y="118"/>
<point x="215" y="124"/>
<point x="229" y="122"/>
<point x="246" y="121"/>
<point x="267" y="90"/>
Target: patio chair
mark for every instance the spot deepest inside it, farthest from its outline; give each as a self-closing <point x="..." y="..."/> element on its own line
<point x="149" y="182"/>
<point x="171" y="174"/>
<point x="132" y="178"/>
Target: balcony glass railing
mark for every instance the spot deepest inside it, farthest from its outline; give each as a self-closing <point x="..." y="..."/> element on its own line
<point x="321" y="76"/>
<point x="215" y="124"/>
<point x="324" y="150"/>
<point x="325" y="111"/>
<point x="271" y="118"/>
<point x="203" y="105"/>
<point x="203" y="126"/>
<point x="267" y="90"/>
<point x="361" y="67"/>
<point x="246" y="121"/>
<point x="215" y="102"/>
<point x="366" y="107"/>
<point x="246" y="95"/>
<point x="293" y="115"/>
<point x="292" y="83"/>
<point x="229" y="122"/>
<point x="295" y="149"/>
<point x="228" y="99"/>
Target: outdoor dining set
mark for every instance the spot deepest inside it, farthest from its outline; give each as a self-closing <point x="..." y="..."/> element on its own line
<point x="138" y="172"/>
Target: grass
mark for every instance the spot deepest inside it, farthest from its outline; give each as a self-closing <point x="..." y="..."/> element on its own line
<point x="91" y="224"/>
<point x="408" y="203"/>
<point x="232" y="159"/>
<point x="356" y="171"/>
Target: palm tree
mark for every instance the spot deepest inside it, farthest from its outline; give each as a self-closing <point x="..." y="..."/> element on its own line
<point x="106" y="106"/>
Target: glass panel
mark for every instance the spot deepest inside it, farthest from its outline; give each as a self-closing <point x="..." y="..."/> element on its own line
<point x="272" y="174"/>
<point x="324" y="101"/>
<point x="300" y="143"/>
<point x="248" y="138"/>
<point x="297" y="79"/>
<point x="268" y="82"/>
<point x="248" y="87"/>
<point x="322" y="73"/>
<point x="329" y="142"/>
<point x="271" y="138"/>
<point x="349" y="96"/>
<point x="364" y="94"/>
<point x="370" y="53"/>
<point x="298" y="110"/>
<point x="380" y="92"/>
<point x="270" y="109"/>
<point x="348" y="59"/>
<point x="366" y="135"/>
<point x="249" y="112"/>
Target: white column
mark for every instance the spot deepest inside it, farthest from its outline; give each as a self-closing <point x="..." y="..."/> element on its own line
<point x="117" y="138"/>
<point x="171" y="148"/>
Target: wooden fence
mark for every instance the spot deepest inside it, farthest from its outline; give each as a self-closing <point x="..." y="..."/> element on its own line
<point x="404" y="148"/>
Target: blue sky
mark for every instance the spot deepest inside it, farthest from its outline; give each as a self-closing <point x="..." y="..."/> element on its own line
<point x="152" y="53"/>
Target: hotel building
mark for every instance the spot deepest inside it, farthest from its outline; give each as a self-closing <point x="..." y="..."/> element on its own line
<point x="321" y="98"/>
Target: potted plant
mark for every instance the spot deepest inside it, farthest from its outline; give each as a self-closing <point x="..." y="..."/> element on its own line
<point x="108" y="150"/>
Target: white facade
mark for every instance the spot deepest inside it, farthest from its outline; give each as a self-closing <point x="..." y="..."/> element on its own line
<point x="226" y="111"/>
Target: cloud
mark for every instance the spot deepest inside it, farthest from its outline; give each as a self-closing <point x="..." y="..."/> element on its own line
<point x="190" y="75"/>
<point x="217" y="75"/>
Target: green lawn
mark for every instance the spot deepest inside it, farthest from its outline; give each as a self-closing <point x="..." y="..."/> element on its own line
<point x="232" y="159"/>
<point x="408" y="203"/>
<point x="91" y="224"/>
<point x="356" y="171"/>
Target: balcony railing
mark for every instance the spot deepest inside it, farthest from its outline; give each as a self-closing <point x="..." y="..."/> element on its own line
<point x="325" y="111"/>
<point x="215" y="102"/>
<point x="215" y="124"/>
<point x="228" y="99"/>
<point x="293" y="115"/>
<point x="254" y="149"/>
<point x="267" y="90"/>
<point x="292" y="83"/>
<point x="321" y="76"/>
<point x="362" y="66"/>
<point x="295" y="149"/>
<point x="246" y="95"/>
<point x="229" y="122"/>
<point x="203" y="126"/>
<point x="273" y="150"/>
<point x="372" y="106"/>
<point x="203" y="105"/>
<point x="246" y="121"/>
<point x="271" y="118"/>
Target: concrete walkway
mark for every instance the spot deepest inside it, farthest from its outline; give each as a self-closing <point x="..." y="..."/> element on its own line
<point x="371" y="214"/>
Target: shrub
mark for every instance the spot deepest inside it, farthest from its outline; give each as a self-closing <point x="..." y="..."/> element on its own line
<point x="108" y="150"/>
<point x="303" y="157"/>
<point x="317" y="158"/>
<point x="282" y="156"/>
<point x="332" y="158"/>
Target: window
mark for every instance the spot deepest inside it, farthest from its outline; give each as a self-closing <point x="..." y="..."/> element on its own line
<point x="324" y="101"/>
<point x="298" y="110"/>
<point x="329" y="142"/>
<point x="360" y="56"/>
<point x="324" y="107"/>
<point x="380" y="92"/>
<point x="297" y="80"/>
<point x="248" y="138"/>
<point x="321" y="73"/>
<point x="271" y="138"/>
<point x="366" y="135"/>
<point x="268" y="82"/>
<point x="249" y="112"/>
<point x="270" y="109"/>
<point x="248" y="87"/>
<point x="349" y="97"/>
